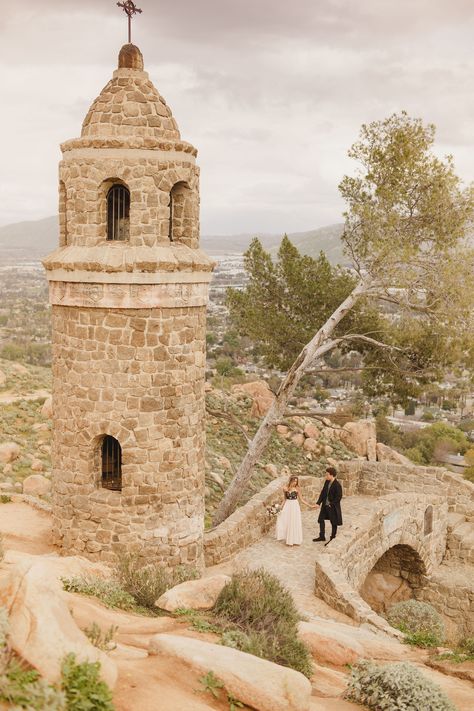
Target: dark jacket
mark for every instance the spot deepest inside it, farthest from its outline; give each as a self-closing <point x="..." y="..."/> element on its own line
<point x="333" y="511"/>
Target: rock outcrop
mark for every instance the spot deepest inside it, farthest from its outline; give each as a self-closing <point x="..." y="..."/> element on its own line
<point x="360" y="437"/>
<point x="9" y="451"/>
<point x="260" y="684"/>
<point x="36" y="485"/>
<point x="387" y="454"/>
<point x="42" y="630"/>
<point x="193" y="594"/>
<point x="261" y="395"/>
<point x="47" y="409"/>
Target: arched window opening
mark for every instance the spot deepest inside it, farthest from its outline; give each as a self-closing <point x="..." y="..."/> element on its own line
<point x="118" y="213"/>
<point x="62" y="215"/>
<point x="428" y="521"/>
<point x="179" y="206"/>
<point x="111" y="464"/>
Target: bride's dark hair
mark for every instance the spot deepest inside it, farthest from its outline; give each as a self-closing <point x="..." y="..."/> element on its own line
<point x="292" y="477"/>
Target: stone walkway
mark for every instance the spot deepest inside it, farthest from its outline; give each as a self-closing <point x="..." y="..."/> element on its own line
<point x="295" y="566"/>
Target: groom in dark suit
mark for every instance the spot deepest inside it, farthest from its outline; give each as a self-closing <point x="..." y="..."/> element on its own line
<point x="330" y="503"/>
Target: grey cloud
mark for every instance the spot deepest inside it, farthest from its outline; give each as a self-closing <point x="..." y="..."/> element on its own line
<point x="272" y="94"/>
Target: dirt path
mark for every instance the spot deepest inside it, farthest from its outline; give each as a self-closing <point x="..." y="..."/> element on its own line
<point x="25" y="529"/>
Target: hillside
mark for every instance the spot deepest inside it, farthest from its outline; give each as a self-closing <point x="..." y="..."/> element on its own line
<point x="27" y="241"/>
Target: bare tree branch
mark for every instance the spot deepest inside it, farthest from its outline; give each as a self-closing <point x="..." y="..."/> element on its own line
<point x="373" y="341"/>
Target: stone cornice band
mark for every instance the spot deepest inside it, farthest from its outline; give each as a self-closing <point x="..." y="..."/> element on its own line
<point x="129" y="295"/>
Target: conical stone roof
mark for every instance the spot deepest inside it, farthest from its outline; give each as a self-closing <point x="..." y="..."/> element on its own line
<point x="129" y="105"/>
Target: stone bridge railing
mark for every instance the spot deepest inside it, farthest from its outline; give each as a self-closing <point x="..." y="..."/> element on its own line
<point x="380" y="478"/>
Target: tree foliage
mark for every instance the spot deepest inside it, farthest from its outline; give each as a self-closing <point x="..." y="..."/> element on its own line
<point x="287" y="300"/>
<point x="406" y="233"/>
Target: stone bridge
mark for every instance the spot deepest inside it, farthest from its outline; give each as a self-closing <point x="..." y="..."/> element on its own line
<point x="397" y="519"/>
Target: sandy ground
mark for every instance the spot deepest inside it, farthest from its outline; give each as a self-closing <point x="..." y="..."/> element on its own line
<point x="25" y="529"/>
<point x="154" y="683"/>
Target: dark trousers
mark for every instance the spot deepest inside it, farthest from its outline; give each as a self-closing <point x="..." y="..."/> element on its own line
<point x="322" y="527"/>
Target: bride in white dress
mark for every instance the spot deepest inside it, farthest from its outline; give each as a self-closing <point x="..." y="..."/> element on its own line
<point x="289" y="527"/>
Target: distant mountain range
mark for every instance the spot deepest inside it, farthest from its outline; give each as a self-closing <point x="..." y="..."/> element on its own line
<point x="30" y="241"/>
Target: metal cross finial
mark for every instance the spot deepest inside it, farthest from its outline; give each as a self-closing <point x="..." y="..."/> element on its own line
<point x="130" y="9"/>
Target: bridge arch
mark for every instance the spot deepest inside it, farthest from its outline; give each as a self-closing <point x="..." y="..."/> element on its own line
<point x="390" y="535"/>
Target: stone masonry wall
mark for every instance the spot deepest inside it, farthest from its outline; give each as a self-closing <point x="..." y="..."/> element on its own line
<point x="137" y="375"/>
<point x="453" y="598"/>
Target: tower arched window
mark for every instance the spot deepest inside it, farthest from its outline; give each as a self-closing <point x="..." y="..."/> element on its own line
<point x="111" y="463"/>
<point x="179" y="194"/>
<point x="118" y="213"/>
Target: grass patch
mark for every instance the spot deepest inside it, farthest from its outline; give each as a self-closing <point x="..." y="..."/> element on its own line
<point x="259" y="617"/>
<point x="198" y="621"/>
<point x="100" y="639"/>
<point x="425" y="640"/>
<point x="211" y="684"/>
<point x="108" y="592"/>
<point x="135" y="586"/>
<point x="464" y="652"/>
<point x="5" y="499"/>
<point x="147" y="582"/>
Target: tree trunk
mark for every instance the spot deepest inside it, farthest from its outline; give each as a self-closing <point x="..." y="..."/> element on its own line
<point x="317" y="347"/>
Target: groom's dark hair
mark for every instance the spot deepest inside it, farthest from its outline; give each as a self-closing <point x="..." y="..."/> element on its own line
<point x="331" y="471"/>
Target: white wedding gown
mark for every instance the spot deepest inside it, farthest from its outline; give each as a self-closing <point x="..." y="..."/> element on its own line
<point x="289" y="527"/>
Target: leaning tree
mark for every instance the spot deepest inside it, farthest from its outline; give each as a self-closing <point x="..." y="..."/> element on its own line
<point x="406" y="234"/>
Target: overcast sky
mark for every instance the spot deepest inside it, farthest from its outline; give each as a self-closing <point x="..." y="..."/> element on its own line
<point x="272" y="93"/>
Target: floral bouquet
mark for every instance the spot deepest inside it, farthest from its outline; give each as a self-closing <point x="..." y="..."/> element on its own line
<point x="274" y="510"/>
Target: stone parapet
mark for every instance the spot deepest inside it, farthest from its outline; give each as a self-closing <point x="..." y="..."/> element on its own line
<point x="380" y="478"/>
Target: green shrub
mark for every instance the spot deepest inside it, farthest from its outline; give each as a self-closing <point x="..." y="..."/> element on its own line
<point x="5" y="498"/>
<point x="419" y="621"/>
<point x="469" y="473"/>
<point x="261" y="618"/>
<point x="256" y="599"/>
<point x="83" y="688"/>
<point x="24" y="689"/>
<point x="147" y="582"/>
<point x="108" y="592"/>
<point x="395" y="687"/>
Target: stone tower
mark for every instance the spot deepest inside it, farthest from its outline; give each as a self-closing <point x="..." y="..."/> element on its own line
<point x="129" y="287"/>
